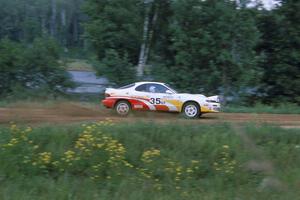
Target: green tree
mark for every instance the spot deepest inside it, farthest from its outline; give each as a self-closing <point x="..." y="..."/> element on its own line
<point x="281" y="46"/>
<point x="11" y="60"/>
<point x="26" y="20"/>
<point x="116" y="68"/>
<point x="213" y="44"/>
<point x="41" y="66"/>
<point x="33" y="67"/>
<point x="115" y="29"/>
<point x="115" y="24"/>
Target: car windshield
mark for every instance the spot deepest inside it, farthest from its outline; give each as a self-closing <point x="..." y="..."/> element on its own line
<point x="175" y="91"/>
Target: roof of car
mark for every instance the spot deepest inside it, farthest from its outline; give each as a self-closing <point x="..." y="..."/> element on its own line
<point x="144" y="82"/>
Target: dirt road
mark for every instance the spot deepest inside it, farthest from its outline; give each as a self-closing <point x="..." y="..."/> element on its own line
<point x="72" y="112"/>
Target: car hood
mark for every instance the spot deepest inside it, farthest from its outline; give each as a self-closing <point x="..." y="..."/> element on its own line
<point x="196" y="95"/>
<point x="215" y="98"/>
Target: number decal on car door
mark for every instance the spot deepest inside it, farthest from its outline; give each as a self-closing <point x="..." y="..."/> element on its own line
<point x="156" y="101"/>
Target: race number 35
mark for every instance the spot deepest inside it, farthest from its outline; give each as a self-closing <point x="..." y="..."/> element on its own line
<point x="155" y="101"/>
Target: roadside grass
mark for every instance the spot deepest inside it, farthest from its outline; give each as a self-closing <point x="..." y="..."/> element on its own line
<point x="30" y="103"/>
<point x="95" y="100"/>
<point x="50" y="101"/>
<point x="285" y="108"/>
<point x="147" y="161"/>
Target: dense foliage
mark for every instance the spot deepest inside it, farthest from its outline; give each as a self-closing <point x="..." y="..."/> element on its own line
<point x="204" y="46"/>
<point x="112" y="66"/>
<point x="33" y="67"/>
<point x="25" y="20"/>
<point x="213" y="46"/>
<point x="281" y="46"/>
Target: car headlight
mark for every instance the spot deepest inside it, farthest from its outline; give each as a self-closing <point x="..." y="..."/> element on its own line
<point x="212" y="101"/>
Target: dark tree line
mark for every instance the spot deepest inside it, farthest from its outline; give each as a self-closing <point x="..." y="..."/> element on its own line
<point x="280" y="44"/>
<point x="25" y="20"/>
<point x="201" y="46"/>
<point x="215" y="46"/>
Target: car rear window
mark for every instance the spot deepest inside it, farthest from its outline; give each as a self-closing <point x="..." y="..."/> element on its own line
<point x="127" y="86"/>
<point x="142" y="88"/>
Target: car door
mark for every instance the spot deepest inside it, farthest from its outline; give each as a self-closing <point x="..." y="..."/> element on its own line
<point x="161" y="97"/>
<point x="142" y="100"/>
<point x="171" y="99"/>
<point x="154" y="96"/>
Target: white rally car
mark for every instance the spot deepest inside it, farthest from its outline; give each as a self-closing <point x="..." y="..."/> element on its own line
<point x="156" y="96"/>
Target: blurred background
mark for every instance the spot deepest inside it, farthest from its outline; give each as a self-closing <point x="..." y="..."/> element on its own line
<point x="247" y="51"/>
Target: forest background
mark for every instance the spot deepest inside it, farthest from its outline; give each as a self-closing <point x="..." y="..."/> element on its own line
<point x="213" y="47"/>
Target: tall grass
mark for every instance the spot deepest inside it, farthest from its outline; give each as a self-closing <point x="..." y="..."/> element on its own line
<point x="159" y="161"/>
<point x="43" y="101"/>
<point x="284" y="108"/>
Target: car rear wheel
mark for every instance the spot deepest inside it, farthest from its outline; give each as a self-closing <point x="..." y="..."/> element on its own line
<point x="123" y="108"/>
<point x="191" y="110"/>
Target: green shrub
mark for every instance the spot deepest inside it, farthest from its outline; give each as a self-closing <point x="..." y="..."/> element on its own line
<point x="116" y="68"/>
<point x="32" y="67"/>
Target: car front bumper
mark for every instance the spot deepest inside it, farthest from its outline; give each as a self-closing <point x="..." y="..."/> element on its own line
<point x="211" y="108"/>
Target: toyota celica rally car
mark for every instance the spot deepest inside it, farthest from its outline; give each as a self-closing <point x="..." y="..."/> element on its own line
<point x="156" y="96"/>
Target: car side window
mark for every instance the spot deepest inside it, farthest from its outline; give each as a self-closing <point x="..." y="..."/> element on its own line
<point x="141" y="88"/>
<point x="156" y="88"/>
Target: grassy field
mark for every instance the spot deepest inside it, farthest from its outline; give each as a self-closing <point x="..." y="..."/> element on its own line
<point x="261" y="108"/>
<point x="149" y="161"/>
<point x="95" y="99"/>
<point x="48" y="102"/>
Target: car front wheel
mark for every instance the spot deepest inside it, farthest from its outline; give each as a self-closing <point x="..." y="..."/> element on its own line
<point x="191" y="110"/>
<point x="123" y="108"/>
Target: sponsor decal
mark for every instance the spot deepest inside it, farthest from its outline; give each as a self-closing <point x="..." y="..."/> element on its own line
<point x="138" y="106"/>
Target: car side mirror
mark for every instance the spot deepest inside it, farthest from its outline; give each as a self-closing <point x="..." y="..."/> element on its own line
<point x="169" y="92"/>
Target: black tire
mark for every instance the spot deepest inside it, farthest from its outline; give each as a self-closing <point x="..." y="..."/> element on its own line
<point x="122" y="108"/>
<point x="191" y="110"/>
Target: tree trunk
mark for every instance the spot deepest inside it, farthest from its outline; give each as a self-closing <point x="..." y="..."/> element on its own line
<point x="53" y="18"/>
<point x="75" y="29"/>
<point x="75" y="32"/>
<point x="63" y="24"/>
<point x="63" y="17"/>
<point x="153" y="23"/>
<point x="43" y="24"/>
<point x="142" y="61"/>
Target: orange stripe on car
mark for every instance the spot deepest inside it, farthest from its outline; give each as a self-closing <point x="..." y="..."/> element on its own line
<point x="162" y="107"/>
<point x="178" y="104"/>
